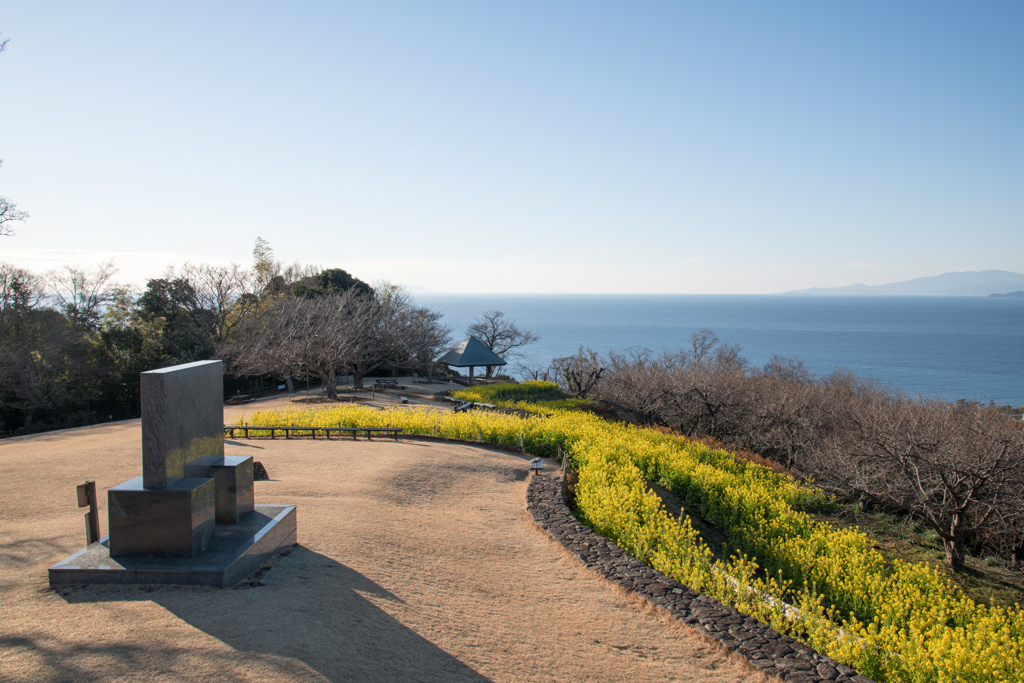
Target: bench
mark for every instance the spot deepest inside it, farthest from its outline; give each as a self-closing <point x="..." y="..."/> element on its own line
<point x="385" y="384"/>
<point x="230" y="431"/>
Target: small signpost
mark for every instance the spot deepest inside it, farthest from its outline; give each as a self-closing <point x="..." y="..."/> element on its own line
<point x="87" y="498"/>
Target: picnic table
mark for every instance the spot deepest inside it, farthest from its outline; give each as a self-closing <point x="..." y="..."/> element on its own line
<point x="385" y="384"/>
<point x="238" y="399"/>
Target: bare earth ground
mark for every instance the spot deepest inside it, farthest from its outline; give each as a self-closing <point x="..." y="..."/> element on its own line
<point x="417" y="562"/>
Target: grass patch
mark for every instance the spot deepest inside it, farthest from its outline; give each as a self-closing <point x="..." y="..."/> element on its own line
<point x="989" y="580"/>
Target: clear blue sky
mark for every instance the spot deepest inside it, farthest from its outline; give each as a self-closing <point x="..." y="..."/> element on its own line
<point x="520" y="146"/>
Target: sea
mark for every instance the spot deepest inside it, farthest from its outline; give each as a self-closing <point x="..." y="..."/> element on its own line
<point x="936" y="347"/>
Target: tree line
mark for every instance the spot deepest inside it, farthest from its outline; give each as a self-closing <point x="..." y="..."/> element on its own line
<point x="956" y="466"/>
<point x="73" y="341"/>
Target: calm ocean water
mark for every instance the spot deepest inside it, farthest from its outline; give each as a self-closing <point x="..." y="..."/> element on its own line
<point x="953" y="347"/>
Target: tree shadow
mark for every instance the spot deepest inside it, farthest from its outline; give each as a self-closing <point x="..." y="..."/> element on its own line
<point x="309" y="608"/>
<point x="75" y="661"/>
<point x="21" y="553"/>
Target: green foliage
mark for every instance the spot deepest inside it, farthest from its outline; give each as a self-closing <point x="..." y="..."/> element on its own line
<point x="131" y="344"/>
<point x="510" y="392"/>
<point x="186" y="330"/>
<point x="535" y="396"/>
<point x="332" y="280"/>
<point x="45" y="365"/>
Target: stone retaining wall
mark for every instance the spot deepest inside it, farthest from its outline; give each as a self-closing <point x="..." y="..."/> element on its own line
<point x="762" y="646"/>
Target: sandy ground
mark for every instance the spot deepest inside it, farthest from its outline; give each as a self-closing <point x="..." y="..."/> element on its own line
<point x="416" y="562"/>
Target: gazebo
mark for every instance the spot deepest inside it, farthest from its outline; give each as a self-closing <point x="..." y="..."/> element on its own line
<point x="471" y="353"/>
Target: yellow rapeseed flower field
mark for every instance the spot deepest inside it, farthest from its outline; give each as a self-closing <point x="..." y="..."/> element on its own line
<point x="828" y="587"/>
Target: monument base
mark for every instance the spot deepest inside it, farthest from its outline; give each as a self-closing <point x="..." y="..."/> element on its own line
<point x="236" y="551"/>
<point x="171" y="521"/>
<point x="232" y="476"/>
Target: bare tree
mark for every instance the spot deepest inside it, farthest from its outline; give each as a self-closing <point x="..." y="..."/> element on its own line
<point x="578" y="375"/>
<point x="315" y="336"/>
<point x="702" y="345"/>
<point x="424" y="338"/>
<point x="534" y="371"/>
<point x="81" y="294"/>
<point x="786" y="368"/>
<point x="394" y="332"/>
<point x="219" y="289"/>
<point x="784" y="412"/>
<point x="635" y="382"/>
<point x="9" y="211"/>
<point x="20" y="290"/>
<point x="9" y="214"/>
<point x="500" y="335"/>
<point x="323" y="335"/>
<point x="704" y="390"/>
<point x="958" y="468"/>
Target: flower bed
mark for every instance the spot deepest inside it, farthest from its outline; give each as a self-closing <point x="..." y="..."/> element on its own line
<point x="892" y="621"/>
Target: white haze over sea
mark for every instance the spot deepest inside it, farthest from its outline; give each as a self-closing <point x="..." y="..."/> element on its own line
<point x="950" y="347"/>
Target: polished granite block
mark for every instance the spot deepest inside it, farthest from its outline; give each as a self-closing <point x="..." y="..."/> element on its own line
<point x="182" y="418"/>
<point x="235" y="552"/>
<point x="232" y="476"/>
<point x="175" y="521"/>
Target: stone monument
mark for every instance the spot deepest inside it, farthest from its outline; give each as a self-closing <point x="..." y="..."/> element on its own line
<point x="191" y="517"/>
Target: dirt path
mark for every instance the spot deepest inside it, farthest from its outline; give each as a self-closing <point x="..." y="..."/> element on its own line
<point x="417" y="562"/>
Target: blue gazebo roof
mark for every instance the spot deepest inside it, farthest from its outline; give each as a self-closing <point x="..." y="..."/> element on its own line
<point x="471" y="352"/>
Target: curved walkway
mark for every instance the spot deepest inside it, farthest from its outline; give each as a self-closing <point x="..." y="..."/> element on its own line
<point x="417" y="562"/>
<point x="763" y="646"/>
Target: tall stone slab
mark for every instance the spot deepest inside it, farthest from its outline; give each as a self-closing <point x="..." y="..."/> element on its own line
<point x="182" y="419"/>
<point x="187" y="485"/>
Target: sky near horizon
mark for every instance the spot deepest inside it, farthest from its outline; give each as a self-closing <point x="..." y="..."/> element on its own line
<point x="649" y="147"/>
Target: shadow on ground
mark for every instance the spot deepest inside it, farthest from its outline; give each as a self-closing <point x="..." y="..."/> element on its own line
<point x="308" y="608"/>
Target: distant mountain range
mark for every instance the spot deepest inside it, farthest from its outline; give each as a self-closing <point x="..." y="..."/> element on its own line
<point x="968" y="283"/>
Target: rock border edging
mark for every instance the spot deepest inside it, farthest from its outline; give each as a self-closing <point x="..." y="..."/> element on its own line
<point x="764" y="647"/>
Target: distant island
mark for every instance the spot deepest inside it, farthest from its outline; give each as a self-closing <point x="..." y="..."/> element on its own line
<point x="997" y="283"/>
<point x="1014" y="295"/>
